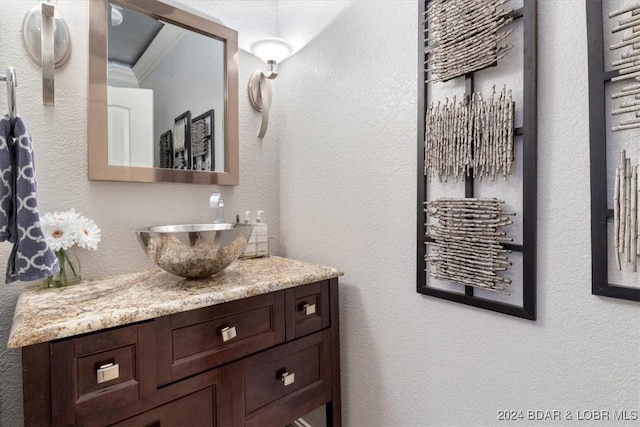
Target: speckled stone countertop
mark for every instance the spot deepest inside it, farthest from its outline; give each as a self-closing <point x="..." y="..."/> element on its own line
<point x="47" y="314"/>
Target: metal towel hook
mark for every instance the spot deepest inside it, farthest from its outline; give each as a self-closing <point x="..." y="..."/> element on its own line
<point x="12" y="83"/>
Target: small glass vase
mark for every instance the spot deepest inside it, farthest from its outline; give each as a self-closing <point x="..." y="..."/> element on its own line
<point x="69" y="273"/>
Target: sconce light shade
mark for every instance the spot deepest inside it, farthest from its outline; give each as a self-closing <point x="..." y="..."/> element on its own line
<point x="271" y="49"/>
<point x="116" y="15"/>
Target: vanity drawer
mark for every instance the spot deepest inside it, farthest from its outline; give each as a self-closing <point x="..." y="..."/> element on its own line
<point x="283" y="383"/>
<point x="307" y="309"/>
<point x="106" y="370"/>
<point x="194" y="410"/>
<point x="101" y="371"/>
<point x="205" y="338"/>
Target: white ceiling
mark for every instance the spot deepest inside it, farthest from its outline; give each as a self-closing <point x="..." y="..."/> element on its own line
<point x="297" y="21"/>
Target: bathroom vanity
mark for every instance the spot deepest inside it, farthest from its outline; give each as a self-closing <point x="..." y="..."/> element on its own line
<point x="255" y="345"/>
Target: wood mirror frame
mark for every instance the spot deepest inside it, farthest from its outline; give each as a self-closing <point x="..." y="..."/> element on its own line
<point x="99" y="167"/>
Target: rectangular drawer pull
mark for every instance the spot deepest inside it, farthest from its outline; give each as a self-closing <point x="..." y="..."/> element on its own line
<point x="309" y="309"/>
<point x="108" y="372"/>
<point x="228" y="333"/>
<point x="288" y="378"/>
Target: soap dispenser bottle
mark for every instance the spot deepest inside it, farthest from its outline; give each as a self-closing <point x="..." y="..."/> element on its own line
<point x="262" y="236"/>
<point x="250" y="249"/>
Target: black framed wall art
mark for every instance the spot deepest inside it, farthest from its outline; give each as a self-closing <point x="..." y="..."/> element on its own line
<point x="477" y="154"/>
<point x="613" y="35"/>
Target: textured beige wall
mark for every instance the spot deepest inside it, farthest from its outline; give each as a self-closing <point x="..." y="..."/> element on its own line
<point x="60" y="141"/>
<point x="348" y="199"/>
<point x="346" y="122"/>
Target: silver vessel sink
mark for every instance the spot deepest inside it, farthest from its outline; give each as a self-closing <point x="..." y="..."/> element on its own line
<point x="194" y="250"/>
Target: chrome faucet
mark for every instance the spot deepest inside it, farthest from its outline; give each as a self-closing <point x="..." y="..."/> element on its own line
<point x="217" y="203"/>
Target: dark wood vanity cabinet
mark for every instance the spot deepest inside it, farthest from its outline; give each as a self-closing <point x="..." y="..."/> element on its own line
<point x="259" y="361"/>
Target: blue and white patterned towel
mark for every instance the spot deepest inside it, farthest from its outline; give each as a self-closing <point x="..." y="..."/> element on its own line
<point x="31" y="258"/>
<point x="6" y="182"/>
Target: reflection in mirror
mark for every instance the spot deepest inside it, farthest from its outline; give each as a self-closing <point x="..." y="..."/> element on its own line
<point x="165" y="86"/>
<point x="163" y="95"/>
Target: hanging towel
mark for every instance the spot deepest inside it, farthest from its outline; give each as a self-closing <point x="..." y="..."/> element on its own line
<point x="31" y="258"/>
<point x="6" y="179"/>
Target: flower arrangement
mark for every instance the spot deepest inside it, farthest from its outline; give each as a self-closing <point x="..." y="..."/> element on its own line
<point x="63" y="230"/>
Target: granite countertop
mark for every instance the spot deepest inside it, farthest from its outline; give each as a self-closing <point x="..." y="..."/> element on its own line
<point x="43" y="314"/>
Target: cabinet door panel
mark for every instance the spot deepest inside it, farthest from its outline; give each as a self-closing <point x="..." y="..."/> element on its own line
<point x="194" y="410"/>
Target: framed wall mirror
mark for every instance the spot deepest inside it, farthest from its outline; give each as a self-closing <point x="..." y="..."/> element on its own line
<point x="163" y="95"/>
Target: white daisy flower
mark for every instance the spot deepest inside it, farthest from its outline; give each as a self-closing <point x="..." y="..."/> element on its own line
<point x="58" y="231"/>
<point x="89" y="235"/>
<point x="69" y="217"/>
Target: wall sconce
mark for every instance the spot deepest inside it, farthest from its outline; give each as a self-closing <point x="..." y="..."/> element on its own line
<point x="272" y="51"/>
<point x="48" y="42"/>
<point x="116" y="15"/>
